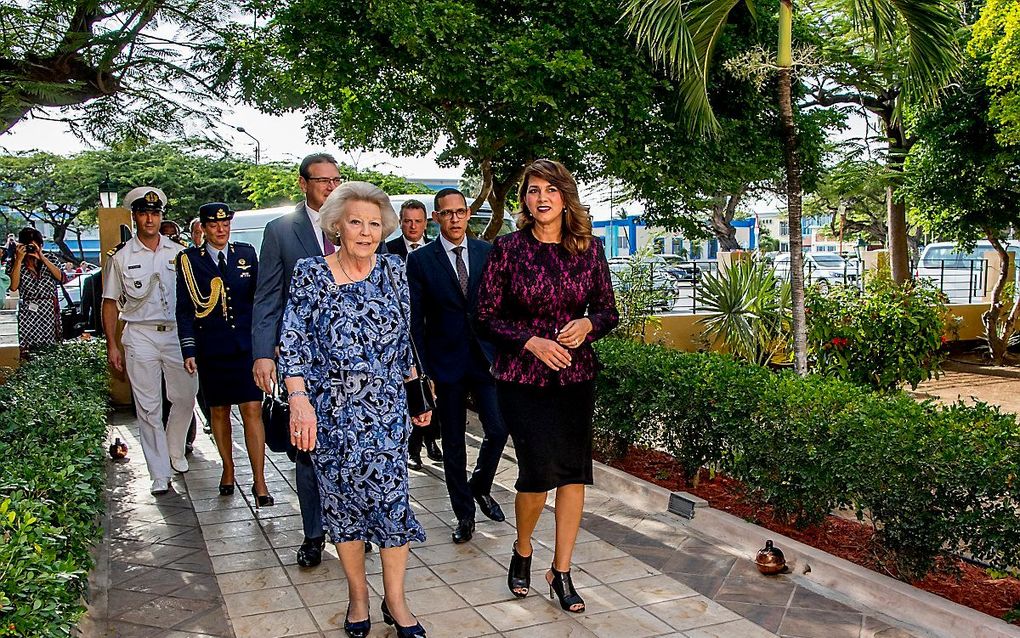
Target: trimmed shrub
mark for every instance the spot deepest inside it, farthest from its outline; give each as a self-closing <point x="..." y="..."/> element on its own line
<point x="52" y="429"/>
<point x="880" y="337"/>
<point x="928" y="478"/>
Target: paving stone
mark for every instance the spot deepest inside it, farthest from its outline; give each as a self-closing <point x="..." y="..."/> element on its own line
<point x="761" y="590"/>
<point x="165" y="612"/>
<point x="459" y="623"/>
<point x="690" y="613"/>
<point x="633" y="622"/>
<point x="262" y="601"/>
<point x="292" y="622"/>
<point x="813" y="623"/>
<point x="768" y="616"/>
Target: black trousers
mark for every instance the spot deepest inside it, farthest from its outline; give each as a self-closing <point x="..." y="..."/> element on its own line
<point x="451" y="405"/>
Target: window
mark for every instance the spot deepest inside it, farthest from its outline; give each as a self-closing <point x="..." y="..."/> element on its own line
<point x="784" y="228"/>
<point x="678" y="246"/>
<point x="695" y="250"/>
<point x="622" y="242"/>
<point x="658" y="245"/>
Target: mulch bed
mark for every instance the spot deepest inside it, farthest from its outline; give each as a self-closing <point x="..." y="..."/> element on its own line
<point x="958" y="581"/>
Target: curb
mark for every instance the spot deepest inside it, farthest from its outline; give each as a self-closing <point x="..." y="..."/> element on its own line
<point x="959" y="366"/>
<point x="876" y="592"/>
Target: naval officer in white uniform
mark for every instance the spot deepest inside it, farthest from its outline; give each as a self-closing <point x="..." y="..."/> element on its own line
<point x="140" y="285"/>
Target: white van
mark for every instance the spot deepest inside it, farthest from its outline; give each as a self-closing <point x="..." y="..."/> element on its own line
<point x="961" y="274"/>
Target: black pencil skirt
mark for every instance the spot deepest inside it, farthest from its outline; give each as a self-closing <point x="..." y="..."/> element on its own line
<point x="551" y="431"/>
<point x="227" y="380"/>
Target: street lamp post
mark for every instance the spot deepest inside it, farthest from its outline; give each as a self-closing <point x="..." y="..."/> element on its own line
<point x="258" y="147"/>
<point x="107" y="193"/>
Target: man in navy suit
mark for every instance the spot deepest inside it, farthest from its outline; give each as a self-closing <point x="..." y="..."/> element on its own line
<point x="294" y="236"/>
<point x="412" y="237"/>
<point x="443" y="277"/>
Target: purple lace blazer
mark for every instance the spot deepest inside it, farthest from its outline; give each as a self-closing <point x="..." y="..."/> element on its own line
<point x="530" y="288"/>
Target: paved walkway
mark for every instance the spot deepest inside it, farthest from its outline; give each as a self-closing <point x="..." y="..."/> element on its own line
<point x="192" y="563"/>
<point x="953" y="386"/>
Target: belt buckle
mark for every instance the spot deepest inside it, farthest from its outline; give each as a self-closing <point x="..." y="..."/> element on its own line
<point x="162" y="328"/>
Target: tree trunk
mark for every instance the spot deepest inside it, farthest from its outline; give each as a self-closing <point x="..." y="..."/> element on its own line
<point x="59" y="238"/>
<point x="896" y="211"/>
<point x="998" y="336"/>
<point x="793" y="188"/>
<point x="724" y="207"/>
<point x="497" y="200"/>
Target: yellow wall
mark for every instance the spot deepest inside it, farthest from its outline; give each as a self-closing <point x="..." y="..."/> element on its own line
<point x="682" y="331"/>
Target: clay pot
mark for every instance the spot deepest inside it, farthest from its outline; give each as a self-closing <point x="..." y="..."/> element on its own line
<point x="118" y="449"/>
<point x="770" y="559"/>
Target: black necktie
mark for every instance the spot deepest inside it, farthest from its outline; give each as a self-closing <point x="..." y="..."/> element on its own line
<point x="222" y="262"/>
<point x="462" y="274"/>
<point x="415" y="246"/>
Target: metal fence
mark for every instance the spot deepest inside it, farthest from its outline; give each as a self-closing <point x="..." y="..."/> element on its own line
<point x="676" y="288"/>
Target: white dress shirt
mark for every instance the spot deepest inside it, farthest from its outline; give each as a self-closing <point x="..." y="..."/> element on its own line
<point x="448" y="246"/>
<point x="408" y="243"/>
<point x="314" y="216"/>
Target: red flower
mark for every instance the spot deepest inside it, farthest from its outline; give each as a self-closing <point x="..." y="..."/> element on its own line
<point x="944" y="339"/>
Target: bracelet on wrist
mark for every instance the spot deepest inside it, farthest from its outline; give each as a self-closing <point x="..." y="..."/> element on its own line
<point x="297" y="393"/>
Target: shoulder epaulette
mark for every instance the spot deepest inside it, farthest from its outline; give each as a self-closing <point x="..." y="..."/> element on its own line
<point x="180" y="241"/>
<point x="113" y="250"/>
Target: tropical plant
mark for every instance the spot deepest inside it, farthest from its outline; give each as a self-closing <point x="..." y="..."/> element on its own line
<point x="747" y="311"/>
<point x="683" y="36"/>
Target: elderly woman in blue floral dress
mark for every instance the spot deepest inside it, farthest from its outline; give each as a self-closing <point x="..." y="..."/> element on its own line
<point x="345" y="354"/>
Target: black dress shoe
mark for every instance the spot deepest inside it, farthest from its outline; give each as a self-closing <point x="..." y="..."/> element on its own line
<point x="433" y="451"/>
<point x="465" y="529"/>
<point x="310" y="552"/>
<point x="358" y="629"/>
<point x="490" y="508"/>
<point x="414" y="462"/>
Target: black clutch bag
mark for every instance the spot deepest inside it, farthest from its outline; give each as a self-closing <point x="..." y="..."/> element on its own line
<point x="420" y="398"/>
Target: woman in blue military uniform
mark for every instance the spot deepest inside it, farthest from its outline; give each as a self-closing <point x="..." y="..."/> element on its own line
<point x="215" y="295"/>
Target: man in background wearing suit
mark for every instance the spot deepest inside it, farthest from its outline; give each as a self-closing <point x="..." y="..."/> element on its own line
<point x="288" y="238"/>
<point x="412" y="228"/>
<point x="443" y="277"/>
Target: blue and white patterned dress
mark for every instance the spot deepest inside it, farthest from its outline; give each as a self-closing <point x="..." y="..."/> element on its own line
<point x="353" y="348"/>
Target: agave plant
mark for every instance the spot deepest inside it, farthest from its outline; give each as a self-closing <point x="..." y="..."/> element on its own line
<point x="747" y="311"/>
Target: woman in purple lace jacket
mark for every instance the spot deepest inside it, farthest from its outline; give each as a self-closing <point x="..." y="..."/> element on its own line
<point x="545" y="297"/>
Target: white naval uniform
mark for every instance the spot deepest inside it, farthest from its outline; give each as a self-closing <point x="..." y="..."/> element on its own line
<point x="143" y="282"/>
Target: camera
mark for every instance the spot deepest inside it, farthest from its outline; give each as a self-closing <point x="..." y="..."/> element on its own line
<point x="31" y="248"/>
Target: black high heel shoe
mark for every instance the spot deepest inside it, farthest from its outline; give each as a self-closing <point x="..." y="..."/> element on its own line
<point x="519" y="575"/>
<point x="358" y="629"/>
<point x="262" y="501"/>
<point x="227" y="490"/>
<point x="565" y="591"/>
<point x="402" y="632"/>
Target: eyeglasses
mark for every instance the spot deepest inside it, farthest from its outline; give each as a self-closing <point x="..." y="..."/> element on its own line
<point x="332" y="181"/>
<point x="458" y="213"/>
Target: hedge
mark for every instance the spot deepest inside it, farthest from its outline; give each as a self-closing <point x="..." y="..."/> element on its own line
<point x="53" y="415"/>
<point x="928" y="478"/>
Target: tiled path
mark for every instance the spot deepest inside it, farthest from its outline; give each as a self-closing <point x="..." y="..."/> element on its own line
<point x="192" y="563"/>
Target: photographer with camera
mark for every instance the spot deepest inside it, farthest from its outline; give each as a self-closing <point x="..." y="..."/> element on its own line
<point x="36" y="279"/>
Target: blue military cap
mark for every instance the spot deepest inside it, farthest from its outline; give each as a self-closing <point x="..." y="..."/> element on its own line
<point x="215" y="212"/>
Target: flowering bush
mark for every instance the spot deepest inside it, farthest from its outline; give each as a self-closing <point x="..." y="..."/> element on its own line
<point x="879" y="337"/>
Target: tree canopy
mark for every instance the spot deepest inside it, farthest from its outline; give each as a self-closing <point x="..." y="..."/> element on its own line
<point x="112" y="69"/>
<point x="697" y="183"/>
<point x="996" y="40"/>
<point x="496" y="84"/>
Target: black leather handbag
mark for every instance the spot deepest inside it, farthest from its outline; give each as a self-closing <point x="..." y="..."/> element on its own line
<point x="276" y="420"/>
<point x="420" y="397"/>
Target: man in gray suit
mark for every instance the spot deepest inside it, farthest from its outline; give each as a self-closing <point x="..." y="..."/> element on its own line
<point x="294" y="236"/>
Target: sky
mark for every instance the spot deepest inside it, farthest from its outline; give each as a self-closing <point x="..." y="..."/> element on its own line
<point x="282" y="138"/>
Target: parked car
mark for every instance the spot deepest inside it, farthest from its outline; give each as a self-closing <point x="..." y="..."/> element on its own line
<point x="820" y="269"/>
<point x="961" y="274"/>
<point x="682" y="269"/>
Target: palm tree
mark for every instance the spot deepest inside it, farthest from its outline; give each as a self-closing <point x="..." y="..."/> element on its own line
<point x="681" y="34"/>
